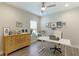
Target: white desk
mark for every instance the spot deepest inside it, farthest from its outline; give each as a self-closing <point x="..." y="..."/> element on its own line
<point x="65" y="42"/>
<point x="61" y="41"/>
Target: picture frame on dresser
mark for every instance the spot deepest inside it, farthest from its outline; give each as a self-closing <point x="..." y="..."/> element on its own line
<point x="6" y="31"/>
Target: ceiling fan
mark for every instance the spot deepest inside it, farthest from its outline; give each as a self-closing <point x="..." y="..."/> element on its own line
<point x="44" y="7"/>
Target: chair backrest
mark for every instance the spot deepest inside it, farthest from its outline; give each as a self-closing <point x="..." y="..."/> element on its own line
<point x="58" y="33"/>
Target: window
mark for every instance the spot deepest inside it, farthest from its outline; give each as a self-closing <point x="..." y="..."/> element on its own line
<point x="33" y="26"/>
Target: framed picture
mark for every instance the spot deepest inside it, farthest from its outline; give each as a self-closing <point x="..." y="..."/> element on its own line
<point x="19" y="24"/>
<point x="48" y="25"/>
<point x="60" y="24"/>
<point x="6" y="31"/>
<point x="53" y="25"/>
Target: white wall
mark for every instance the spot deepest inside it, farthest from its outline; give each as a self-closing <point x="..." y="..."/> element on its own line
<point x="8" y="17"/>
<point x="71" y="30"/>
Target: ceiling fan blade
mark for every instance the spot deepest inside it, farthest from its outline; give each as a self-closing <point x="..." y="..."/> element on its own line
<point x="53" y="5"/>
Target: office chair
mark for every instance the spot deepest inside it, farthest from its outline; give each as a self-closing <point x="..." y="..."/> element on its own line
<point x="56" y="49"/>
<point x="57" y="36"/>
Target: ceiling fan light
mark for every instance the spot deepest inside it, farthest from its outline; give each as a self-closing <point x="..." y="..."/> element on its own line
<point x="43" y="8"/>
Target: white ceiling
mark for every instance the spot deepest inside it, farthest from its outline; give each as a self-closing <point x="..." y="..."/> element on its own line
<point x="35" y="7"/>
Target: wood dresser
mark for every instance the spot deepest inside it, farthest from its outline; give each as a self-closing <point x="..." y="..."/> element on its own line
<point x="15" y="42"/>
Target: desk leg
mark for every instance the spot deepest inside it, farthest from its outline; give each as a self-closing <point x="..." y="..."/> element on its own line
<point x="42" y="47"/>
<point x="65" y="51"/>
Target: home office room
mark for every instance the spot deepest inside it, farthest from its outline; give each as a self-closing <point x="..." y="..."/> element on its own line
<point x="39" y="28"/>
